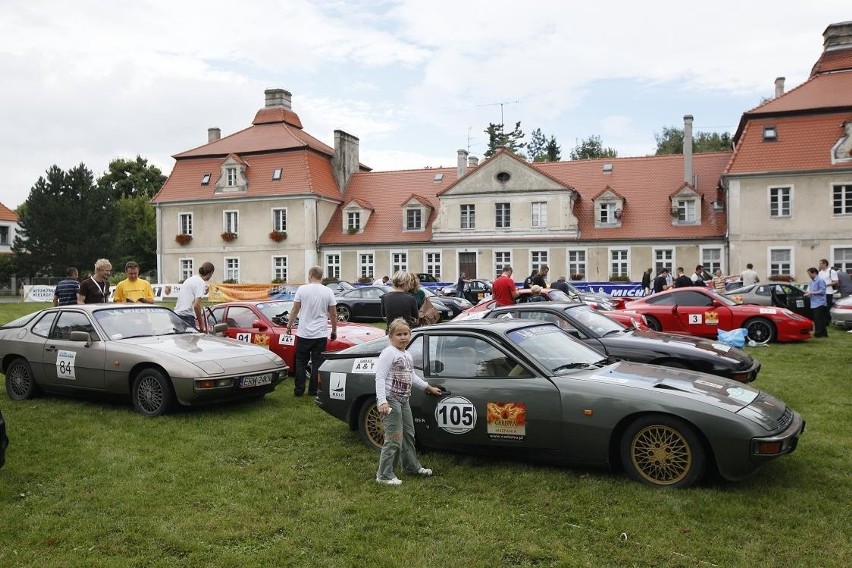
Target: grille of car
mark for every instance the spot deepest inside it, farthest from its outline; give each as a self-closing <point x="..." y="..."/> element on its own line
<point x="785" y="419"/>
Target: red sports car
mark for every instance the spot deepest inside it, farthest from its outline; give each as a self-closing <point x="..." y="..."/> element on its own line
<point x="703" y="312"/>
<point x="624" y="317"/>
<point x="264" y="323"/>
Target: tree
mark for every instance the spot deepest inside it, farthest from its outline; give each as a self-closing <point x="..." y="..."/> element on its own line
<point x="670" y="141"/>
<point x="553" y="151"/>
<point x="497" y="139"/>
<point x="136" y="178"/>
<point x="67" y="220"/>
<point x="592" y="148"/>
<point x="540" y="149"/>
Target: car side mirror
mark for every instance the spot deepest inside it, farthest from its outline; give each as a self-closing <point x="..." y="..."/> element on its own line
<point x="220" y="328"/>
<point x="82" y="337"/>
<point x="259" y="325"/>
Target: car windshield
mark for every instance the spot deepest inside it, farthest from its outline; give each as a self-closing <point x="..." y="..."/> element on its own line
<point x="720" y="298"/>
<point x="276" y="312"/>
<point x="140" y="322"/>
<point x="597" y="322"/>
<point x="559" y="296"/>
<point x="555" y="349"/>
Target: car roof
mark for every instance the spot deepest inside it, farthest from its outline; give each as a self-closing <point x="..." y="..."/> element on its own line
<point x="530" y="307"/>
<point x="91" y="308"/>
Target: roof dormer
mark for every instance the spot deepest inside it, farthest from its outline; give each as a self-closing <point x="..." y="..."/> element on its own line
<point x="356" y="213"/>
<point x="232" y="175"/>
<point x="686" y="206"/>
<point x="415" y="213"/>
<point x="609" y="208"/>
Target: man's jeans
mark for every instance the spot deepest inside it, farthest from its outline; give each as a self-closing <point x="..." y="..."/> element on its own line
<point x="307" y="350"/>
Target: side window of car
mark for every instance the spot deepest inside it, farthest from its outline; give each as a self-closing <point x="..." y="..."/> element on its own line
<point x="416" y="350"/>
<point x="42" y="326"/>
<point x="72" y="321"/>
<point x="762" y="290"/>
<point x="470" y="357"/>
<point x="663" y="300"/>
<point x="690" y="298"/>
<point x="240" y="317"/>
<point x="215" y="316"/>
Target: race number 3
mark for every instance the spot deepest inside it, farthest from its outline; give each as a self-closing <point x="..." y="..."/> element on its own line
<point x="65" y="365"/>
<point x="456" y="415"/>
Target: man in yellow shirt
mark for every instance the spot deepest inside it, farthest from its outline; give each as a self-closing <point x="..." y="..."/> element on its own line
<point x="133" y="288"/>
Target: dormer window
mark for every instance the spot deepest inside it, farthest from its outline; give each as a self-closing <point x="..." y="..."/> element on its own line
<point x="770" y="134"/>
<point x="606" y="213"/>
<point x="353" y="221"/>
<point x="413" y="219"/>
<point x="685" y="210"/>
<point x="232" y="175"/>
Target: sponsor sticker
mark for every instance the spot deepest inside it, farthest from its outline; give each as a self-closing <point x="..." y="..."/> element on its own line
<point x="507" y="420"/>
<point x="768" y="311"/>
<point x="364" y="365"/>
<point x="721" y="347"/>
<point x="337" y="386"/>
<point x="711" y="318"/>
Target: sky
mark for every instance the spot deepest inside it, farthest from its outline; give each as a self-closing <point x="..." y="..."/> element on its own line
<point x="90" y="81"/>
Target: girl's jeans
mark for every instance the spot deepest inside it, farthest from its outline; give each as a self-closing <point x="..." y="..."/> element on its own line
<point x="399" y="441"/>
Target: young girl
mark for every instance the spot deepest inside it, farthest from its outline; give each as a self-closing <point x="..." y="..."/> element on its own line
<point x="394" y="379"/>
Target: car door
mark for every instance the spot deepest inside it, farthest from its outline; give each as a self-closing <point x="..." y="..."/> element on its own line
<point x="793" y="299"/>
<point x="240" y="321"/>
<point x="697" y="314"/>
<point x="74" y="364"/>
<point x="493" y="401"/>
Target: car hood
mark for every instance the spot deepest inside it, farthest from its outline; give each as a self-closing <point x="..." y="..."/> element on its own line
<point x="699" y="346"/>
<point x="213" y="355"/>
<point x="362" y="332"/>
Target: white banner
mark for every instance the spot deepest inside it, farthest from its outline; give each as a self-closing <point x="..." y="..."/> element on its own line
<point x="44" y="293"/>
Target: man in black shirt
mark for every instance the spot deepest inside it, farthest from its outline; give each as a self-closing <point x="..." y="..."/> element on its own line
<point x="661" y="282"/>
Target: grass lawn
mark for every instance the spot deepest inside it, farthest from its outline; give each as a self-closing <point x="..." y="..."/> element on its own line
<point x="278" y="482"/>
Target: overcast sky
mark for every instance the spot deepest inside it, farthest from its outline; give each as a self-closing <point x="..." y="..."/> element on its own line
<point x="89" y="81"/>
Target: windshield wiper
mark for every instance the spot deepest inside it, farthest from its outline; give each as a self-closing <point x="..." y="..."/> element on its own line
<point x="573" y="366"/>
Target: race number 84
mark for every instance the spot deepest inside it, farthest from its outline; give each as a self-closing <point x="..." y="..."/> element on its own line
<point x="456" y="415"/>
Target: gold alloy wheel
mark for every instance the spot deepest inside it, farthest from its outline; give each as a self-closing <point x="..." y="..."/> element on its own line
<point x="661" y="454"/>
<point x="372" y="429"/>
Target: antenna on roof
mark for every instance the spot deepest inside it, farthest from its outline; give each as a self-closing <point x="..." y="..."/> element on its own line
<point x="501" y="110"/>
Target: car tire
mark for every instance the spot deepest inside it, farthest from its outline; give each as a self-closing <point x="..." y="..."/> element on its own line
<point x="20" y="383"/>
<point x="653" y="323"/>
<point x="663" y="451"/>
<point x="152" y="393"/>
<point x="760" y="330"/>
<point x="343" y="313"/>
<point x="370" y="426"/>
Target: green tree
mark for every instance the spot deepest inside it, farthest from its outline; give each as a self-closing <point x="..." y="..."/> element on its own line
<point x="592" y="148"/>
<point x="67" y="220"/>
<point x="553" y="151"/>
<point x="126" y="178"/>
<point x="498" y="138"/>
<point x="135" y="233"/>
<point x="540" y="149"/>
<point x="670" y="141"/>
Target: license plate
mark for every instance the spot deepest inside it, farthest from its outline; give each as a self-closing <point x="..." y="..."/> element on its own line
<point x="258" y="381"/>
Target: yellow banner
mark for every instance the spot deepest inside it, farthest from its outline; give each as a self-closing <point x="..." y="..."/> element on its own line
<point x="235" y="292"/>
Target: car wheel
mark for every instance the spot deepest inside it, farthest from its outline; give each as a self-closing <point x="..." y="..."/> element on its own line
<point x="152" y="393"/>
<point x="343" y="313"/>
<point x="370" y="426"/>
<point x="20" y="383"/>
<point x="662" y="451"/>
<point x="760" y="330"/>
<point x="654" y="323"/>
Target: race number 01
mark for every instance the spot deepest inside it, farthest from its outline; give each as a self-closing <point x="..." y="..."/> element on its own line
<point x="456" y="415"/>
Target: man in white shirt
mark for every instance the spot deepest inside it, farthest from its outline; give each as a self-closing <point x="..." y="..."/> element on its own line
<point x="188" y="305"/>
<point x="749" y="276"/>
<point x="314" y="305"/>
<point x="829" y="276"/>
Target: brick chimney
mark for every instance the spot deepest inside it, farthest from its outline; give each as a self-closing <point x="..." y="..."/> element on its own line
<point x="687" y="149"/>
<point x="779" y="86"/>
<point x="461" y="167"/>
<point x="345" y="161"/>
<point x="278" y="98"/>
<point x="213" y="134"/>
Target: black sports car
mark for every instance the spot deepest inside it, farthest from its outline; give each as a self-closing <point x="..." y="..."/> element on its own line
<point x="616" y="340"/>
<point x="474" y="290"/>
<point x="365" y="303"/>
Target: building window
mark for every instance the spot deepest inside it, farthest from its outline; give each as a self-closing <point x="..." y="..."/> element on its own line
<point x="279" y="268"/>
<point x="501" y="260"/>
<point x="842" y="199"/>
<point x="433" y="264"/>
<point x="184" y="269"/>
<point x="468" y="216"/>
<point x="276" y="174"/>
<point x="185" y="223"/>
<point x="576" y="264"/>
<point x="205" y="179"/>
<point x="353" y="221"/>
<point x="503" y="215"/>
<point x="663" y="258"/>
<point x="842" y="258"/>
<point x="232" y="222"/>
<point x="685" y="211"/>
<point x="399" y="261"/>
<point x="232" y="269"/>
<point x="781" y="262"/>
<point x="606" y="213"/>
<point x="413" y="219"/>
<point x="279" y="219"/>
<point x="711" y="259"/>
<point x="332" y="266"/>
<point x="539" y="214"/>
<point x="537" y="259"/>
<point x="619" y="262"/>
<point x="503" y="177"/>
<point x="366" y="265"/>
<point x="4" y="235"/>
<point x="780" y="201"/>
<point x="231" y="176"/>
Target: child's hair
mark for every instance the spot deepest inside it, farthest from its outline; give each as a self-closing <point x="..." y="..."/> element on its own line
<point x="535" y="290"/>
<point x="396" y="324"/>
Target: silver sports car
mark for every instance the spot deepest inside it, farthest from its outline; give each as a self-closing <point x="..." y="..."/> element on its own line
<point x="146" y="352"/>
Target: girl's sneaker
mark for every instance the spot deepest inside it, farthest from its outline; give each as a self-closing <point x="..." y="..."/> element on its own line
<point x="391" y="481"/>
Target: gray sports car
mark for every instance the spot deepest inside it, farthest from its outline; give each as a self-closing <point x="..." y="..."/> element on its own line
<point x="526" y="389"/>
<point x="146" y="352"/>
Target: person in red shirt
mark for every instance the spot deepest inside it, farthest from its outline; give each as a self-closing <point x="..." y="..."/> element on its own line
<point x="504" y="289"/>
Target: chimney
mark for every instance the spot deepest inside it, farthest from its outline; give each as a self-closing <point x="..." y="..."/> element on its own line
<point x="687" y="149"/>
<point x="213" y="134"/>
<point x="779" y="86"/>
<point x="278" y="98"/>
<point x="837" y="36"/>
<point x="345" y="161"/>
<point x="472" y="161"/>
<point x="461" y="168"/>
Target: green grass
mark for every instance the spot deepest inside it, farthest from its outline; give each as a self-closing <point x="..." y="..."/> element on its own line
<point x="278" y="482"/>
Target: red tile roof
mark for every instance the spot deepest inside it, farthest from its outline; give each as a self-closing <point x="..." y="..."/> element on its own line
<point x="7" y="214"/>
<point x="834" y="60"/>
<point x="821" y="92"/>
<point x="263" y="137"/>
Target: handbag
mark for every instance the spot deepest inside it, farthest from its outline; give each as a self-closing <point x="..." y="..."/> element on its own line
<point x="428" y="314"/>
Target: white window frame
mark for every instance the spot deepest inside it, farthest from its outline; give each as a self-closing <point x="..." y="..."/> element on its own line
<point x="279" y="219"/>
<point x="366" y="263"/>
<point x="538" y="214"/>
<point x="612" y="261"/>
<point x="503" y="215"/>
<point x="414" y="219"/>
<point x="232" y="268"/>
<point x="231" y="221"/>
<point x="709" y="264"/>
<point x="844" y="263"/>
<point x="770" y="263"/>
<point x="398" y="261"/>
<point x="467" y="216"/>
<point x="846" y="201"/>
<point x="353" y="220"/>
<point x="185" y="268"/>
<point x="578" y="265"/>
<point x="432" y="260"/>
<point x="538" y="258"/>
<point x="185" y="221"/>
<point x="332" y="264"/>
<point x="659" y="263"/>
<point x="501" y="258"/>
<point x="788" y="201"/>
<point x="687" y="210"/>
<point x="232" y="176"/>
<point x="280" y="267"/>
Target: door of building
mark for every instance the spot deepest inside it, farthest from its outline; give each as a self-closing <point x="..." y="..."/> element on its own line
<point x="467" y="264"/>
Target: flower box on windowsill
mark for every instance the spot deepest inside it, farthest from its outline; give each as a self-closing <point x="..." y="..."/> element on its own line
<point x="228" y="236"/>
<point x="781" y="278"/>
<point x="352" y="230"/>
<point x="278" y="236"/>
<point x="577" y="276"/>
<point x="183" y="239"/>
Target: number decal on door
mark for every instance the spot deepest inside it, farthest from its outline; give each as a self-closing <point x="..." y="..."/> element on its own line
<point x="456" y="415"/>
<point x="65" y="365"/>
